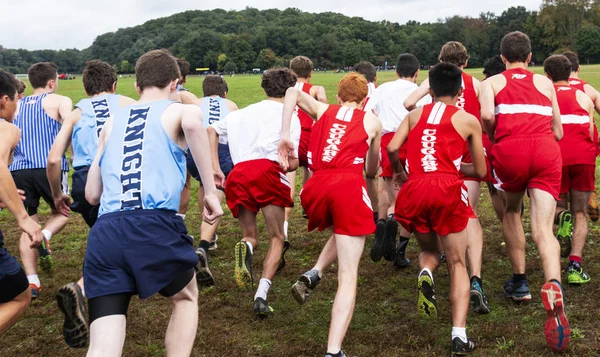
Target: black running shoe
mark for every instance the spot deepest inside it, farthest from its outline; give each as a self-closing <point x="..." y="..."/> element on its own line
<point x="377" y="247"/>
<point x="339" y="354"/>
<point x="305" y="285"/>
<point x="286" y="246"/>
<point x="203" y="275"/>
<point x="460" y="348"/>
<point x="304" y="215"/>
<point x="213" y="242"/>
<point x="400" y="260"/>
<point x="389" y="242"/>
<point x="71" y="302"/>
<point x="262" y="308"/>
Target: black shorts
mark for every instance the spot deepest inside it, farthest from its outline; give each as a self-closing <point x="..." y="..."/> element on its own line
<point x="224" y="161"/>
<point x="12" y="286"/>
<point x="35" y="184"/>
<point x="80" y="204"/>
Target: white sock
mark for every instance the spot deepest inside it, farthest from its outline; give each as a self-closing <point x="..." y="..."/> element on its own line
<point x="47" y="234"/>
<point x="428" y="271"/>
<point x="82" y="290"/>
<point x="33" y="279"/>
<point x="285" y="228"/>
<point x="263" y="289"/>
<point x="250" y="247"/>
<point x="459" y="332"/>
<point x="180" y="215"/>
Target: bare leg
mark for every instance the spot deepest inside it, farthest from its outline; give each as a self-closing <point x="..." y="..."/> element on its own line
<point x="28" y="256"/>
<point x="498" y="201"/>
<point x="542" y="210"/>
<point x="349" y="252"/>
<point x="384" y="198"/>
<point x="474" y="230"/>
<point x="56" y="223"/>
<point x="11" y="311"/>
<point x="306" y="174"/>
<point x="455" y="247"/>
<point x="207" y="231"/>
<point x="429" y="258"/>
<point x="247" y="220"/>
<point x="184" y="203"/>
<point x="328" y="255"/>
<point x="292" y="177"/>
<point x="107" y="336"/>
<point x="274" y="219"/>
<point x="513" y="231"/>
<point x="181" y="333"/>
<point x="579" y="207"/>
<point x="392" y="194"/>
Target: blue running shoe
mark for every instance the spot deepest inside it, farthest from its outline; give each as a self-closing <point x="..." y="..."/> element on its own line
<point x="517" y="290"/>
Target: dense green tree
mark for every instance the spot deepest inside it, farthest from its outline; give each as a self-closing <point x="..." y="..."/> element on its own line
<point x="230" y="67"/>
<point x="587" y="44"/>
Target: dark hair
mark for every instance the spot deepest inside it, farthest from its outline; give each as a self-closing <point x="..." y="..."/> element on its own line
<point x="445" y="80"/>
<point x="214" y="85"/>
<point x="184" y="67"/>
<point x="41" y="73"/>
<point x="558" y="68"/>
<point x="407" y="65"/>
<point x="8" y="84"/>
<point x="574" y="59"/>
<point x="302" y="66"/>
<point x="276" y="81"/>
<point x="454" y="52"/>
<point x="493" y="66"/>
<point x="156" y="68"/>
<point x="21" y="86"/>
<point x="98" y="77"/>
<point x="515" y="47"/>
<point x="366" y="69"/>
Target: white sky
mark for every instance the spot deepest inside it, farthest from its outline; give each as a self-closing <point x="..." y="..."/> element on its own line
<point x="57" y="24"/>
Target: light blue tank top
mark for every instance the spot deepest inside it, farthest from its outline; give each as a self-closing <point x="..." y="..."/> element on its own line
<point x="214" y="109"/>
<point x="141" y="167"/>
<point x="38" y="131"/>
<point x="94" y="113"/>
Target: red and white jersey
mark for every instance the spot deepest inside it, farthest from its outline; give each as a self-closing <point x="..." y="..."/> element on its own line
<point x="434" y="147"/>
<point x="577" y="83"/>
<point x="339" y="140"/>
<point x="577" y="146"/>
<point x="372" y="87"/>
<point x="468" y="101"/>
<point x="306" y="121"/>
<point x="521" y="109"/>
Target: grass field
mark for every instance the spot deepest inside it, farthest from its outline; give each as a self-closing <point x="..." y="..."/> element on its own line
<point x="385" y="322"/>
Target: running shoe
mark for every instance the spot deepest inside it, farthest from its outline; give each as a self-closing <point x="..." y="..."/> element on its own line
<point x="262" y="308"/>
<point x="71" y="302"/>
<point x="213" y="242"/>
<point x="36" y="290"/>
<point x="479" y="303"/>
<point x="305" y="285"/>
<point x="377" y="247"/>
<point x="518" y="290"/>
<point x="400" y="259"/>
<point x="45" y="256"/>
<point x="593" y="210"/>
<point x="557" y="329"/>
<point x="426" y="303"/>
<point x="243" y="264"/>
<point x="565" y="232"/>
<point x="389" y="242"/>
<point x="304" y="215"/>
<point x="286" y="246"/>
<point x="339" y="354"/>
<point x="576" y="275"/>
<point x="203" y="275"/>
<point x="460" y="348"/>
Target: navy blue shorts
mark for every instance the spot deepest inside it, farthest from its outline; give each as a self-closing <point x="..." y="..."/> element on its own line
<point x="224" y="161"/>
<point x="8" y="263"/>
<point x="12" y="278"/>
<point x="80" y="204"/>
<point x="137" y="252"/>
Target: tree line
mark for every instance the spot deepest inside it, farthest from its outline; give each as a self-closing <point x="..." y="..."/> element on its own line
<point x="238" y="41"/>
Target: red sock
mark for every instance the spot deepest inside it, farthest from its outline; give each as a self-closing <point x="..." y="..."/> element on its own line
<point x="574" y="258"/>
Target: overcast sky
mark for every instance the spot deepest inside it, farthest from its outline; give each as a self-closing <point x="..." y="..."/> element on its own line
<point x="57" y="24"/>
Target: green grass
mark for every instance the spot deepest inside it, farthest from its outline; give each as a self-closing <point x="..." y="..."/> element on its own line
<point x="385" y="321"/>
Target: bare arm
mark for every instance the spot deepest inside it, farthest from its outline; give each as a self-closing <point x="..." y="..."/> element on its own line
<point x="486" y="100"/>
<point x="372" y="163"/>
<point x="320" y="94"/>
<point x="64" y="108"/>
<point x="396" y="143"/>
<point x="478" y="168"/>
<point x="94" y="187"/>
<point x="53" y="167"/>
<point x="557" y="127"/>
<point x="231" y="105"/>
<point x="594" y="96"/>
<point x="410" y="103"/>
<point x="213" y="138"/>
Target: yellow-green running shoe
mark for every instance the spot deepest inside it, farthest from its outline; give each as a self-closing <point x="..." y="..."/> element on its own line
<point x="565" y="232"/>
<point x="576" y="275"/>
<point x="426" y="303"/>
<point x="45" y="256"/>
<point x="243" y="264"/>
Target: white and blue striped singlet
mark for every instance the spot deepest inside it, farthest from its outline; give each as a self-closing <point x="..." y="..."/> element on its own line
<point x="38" y="131"/>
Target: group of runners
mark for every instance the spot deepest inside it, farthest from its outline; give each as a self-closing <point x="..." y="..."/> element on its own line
<point x="393" y="160"/>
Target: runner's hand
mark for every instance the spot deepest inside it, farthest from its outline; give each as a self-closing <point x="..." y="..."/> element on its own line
<point x="219" y="178"/>
<point x="21" y="195"/>
<point x="212" y="209"/>
<point x="32" y="229"/>
<point x="62" y="204"/>
<point x="399" y="179"/>
<point x="285" y="151"/>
